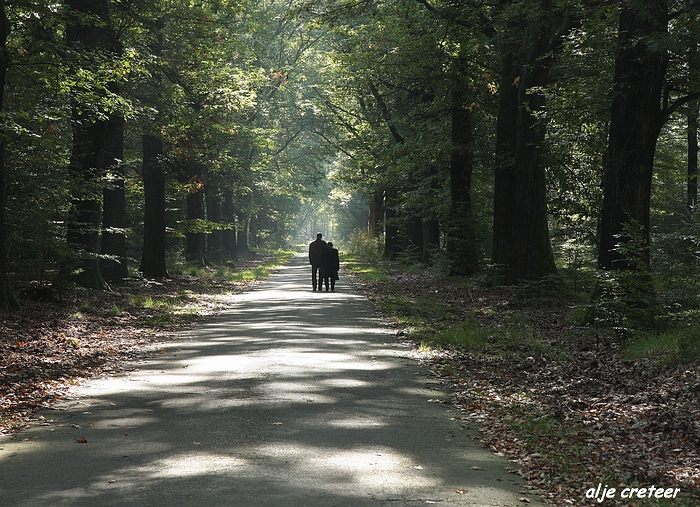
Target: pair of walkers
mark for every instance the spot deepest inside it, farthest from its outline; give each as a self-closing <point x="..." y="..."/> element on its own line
<point x="325" y="263"/>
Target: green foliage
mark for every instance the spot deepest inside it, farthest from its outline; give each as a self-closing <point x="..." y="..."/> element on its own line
<point x="671" y="347"/>
<point x="466" y="335"/>
<point x="363" y="245"/>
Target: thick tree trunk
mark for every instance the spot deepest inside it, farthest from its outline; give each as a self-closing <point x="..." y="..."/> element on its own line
<point x="530" y="225"/>
<point x="521" y="231"/>
<point x="461" y="239"/>
<point x="8" y="301"/>
<point x="114" y="265"/>
<point x="504" y="255"/>
<point x="635" y="124"/>
<point x="153" y="260"/>
<point x="87" y="30"/>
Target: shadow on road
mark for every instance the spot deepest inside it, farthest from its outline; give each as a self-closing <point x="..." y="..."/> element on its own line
<point x="289" y="398"/>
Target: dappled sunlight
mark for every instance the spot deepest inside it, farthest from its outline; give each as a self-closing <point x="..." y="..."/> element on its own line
<point x="281" y="399"/>
<point x="187" y="465"/>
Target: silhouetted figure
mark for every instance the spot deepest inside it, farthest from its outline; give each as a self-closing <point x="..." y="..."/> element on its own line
<point x="315" y="249"/>
<point x="330" y="264"/>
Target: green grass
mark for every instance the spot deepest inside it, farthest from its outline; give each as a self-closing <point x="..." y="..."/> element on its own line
<point x="674" y="346"/>
<point x="363" y="270"/>
<point x="465" y="335"/>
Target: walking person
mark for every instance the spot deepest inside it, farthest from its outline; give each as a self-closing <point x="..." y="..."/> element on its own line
<point x="329" y="267"/>
<point x="316" y="247"/>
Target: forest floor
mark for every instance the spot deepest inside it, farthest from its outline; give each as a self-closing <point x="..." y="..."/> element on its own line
<point x="62" y="339"/>
<point x="554" y="397"/>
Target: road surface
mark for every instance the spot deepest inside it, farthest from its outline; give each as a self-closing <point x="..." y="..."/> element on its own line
<point x="289" y="398"/>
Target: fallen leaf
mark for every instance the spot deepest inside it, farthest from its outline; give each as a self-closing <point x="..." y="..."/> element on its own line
<point x="462" y="491"/>
<point x="81" y="440"/>
<point x="476" y="468"/>
<point x="525" y="499"/>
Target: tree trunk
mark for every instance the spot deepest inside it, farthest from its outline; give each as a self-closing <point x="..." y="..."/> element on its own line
<point x="635" y="124"/>
<point x="376" y="214"/>
<point x="114" y="266"/>
<point x="153" y="260"/>
<point x="228" y="237"/>
<point x="430" y="240"/>
<point x="195" y="249"/>
<point x="8" y="301"/>
<point x="521" y="230"/>
<point x="693" y="155"/>
<point x="503" y="254"/>
<point x="87" y="30"/>
<point x="461" y="239"/>
<point x="215" y="238"/>
<point x="391" y="240"/>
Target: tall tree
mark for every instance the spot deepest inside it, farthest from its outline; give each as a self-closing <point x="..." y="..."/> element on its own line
<point x="88" y="35"/>
<point x="637" y="116"/>
<point x="153" y="260"/>
<point x="521" y="244"/>
<point x="113" y="265"/>
<point x="8" y="301"/>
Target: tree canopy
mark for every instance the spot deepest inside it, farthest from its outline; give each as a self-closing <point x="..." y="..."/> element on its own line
<point x="512" y="140"/>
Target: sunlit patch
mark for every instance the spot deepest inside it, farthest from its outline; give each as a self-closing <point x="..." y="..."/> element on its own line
<point x="189" y="465"/>
<point x="346" y="382"/>
<point x="355" y="422"/>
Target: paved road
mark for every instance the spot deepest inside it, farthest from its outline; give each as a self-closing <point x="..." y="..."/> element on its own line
<point x="288" y="399"/>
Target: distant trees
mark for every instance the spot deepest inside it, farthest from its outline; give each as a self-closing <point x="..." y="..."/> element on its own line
<point x="536" y="79"/>
<point x="466" y="135"/>
<point x="117" y="103"/>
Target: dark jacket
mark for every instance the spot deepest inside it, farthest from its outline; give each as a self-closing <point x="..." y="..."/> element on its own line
<point x="315" y="248"/>
<point x="330" y="262"/>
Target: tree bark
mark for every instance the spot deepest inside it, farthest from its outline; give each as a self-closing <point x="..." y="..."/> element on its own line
<point x="214" y="215"/>
<point x="430" y="240"/>
<point x="693" y="155"/>
<point x="521" y="245"/>
<point x="461" y="239"/>
<point x="244" y="225"/>
<point x="114" y="265"/>
<point x="153" y="260"/>
<point x="8" y="301"/>
<point x="195" y="249"/>
<point x="376" y="214"/>
<point x="391" y="240"/>
<point x="87" y="30"/>
<point x="228" y="236"/>
<point x="635" y="124"/>
<point x="504" y="255"/>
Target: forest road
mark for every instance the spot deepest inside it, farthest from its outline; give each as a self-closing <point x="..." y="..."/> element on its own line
<point x="288" y="398"/>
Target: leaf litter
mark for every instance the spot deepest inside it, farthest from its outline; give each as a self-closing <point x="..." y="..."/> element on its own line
<point x="567" y="421"/>
<point x="53" y="346"/>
